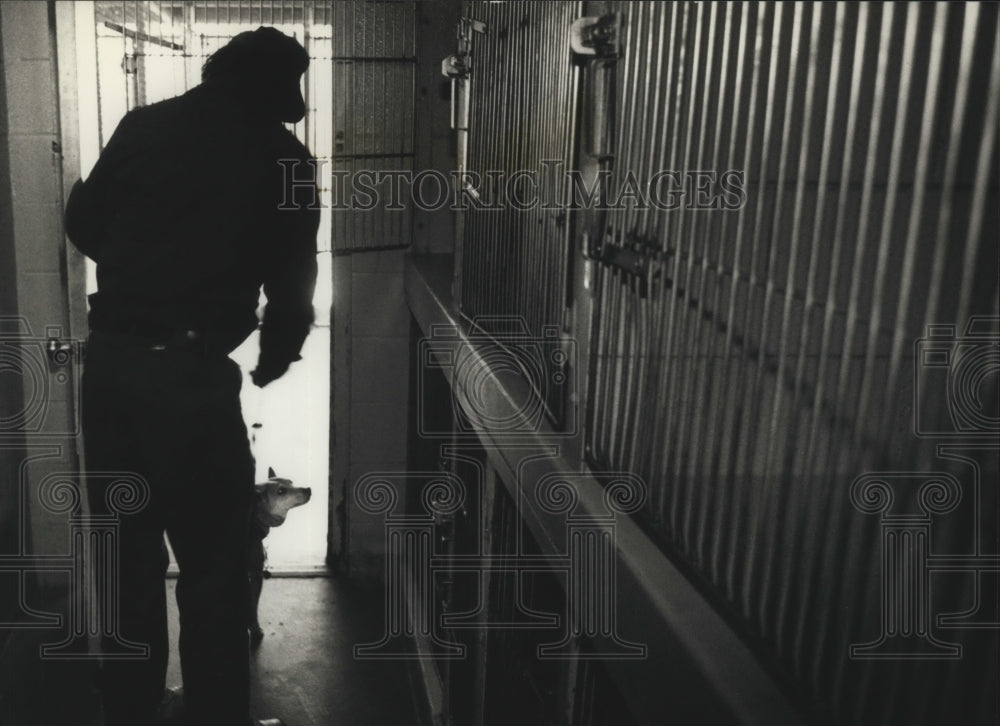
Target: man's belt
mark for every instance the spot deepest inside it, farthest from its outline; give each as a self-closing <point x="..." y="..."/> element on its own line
<point x="157" y="337"/>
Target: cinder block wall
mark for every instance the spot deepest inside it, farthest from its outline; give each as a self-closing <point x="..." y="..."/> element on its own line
<point x="33" y="283"/>
<point x="11" y="397"/>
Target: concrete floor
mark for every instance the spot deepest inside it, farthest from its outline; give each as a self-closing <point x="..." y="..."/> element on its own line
<point x="304" y="672"/>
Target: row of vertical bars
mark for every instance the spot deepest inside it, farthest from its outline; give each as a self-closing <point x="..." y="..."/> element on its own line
<point x="515" y="259"/>
<point x="770" y="358"/>
<point x="374" y="68"/>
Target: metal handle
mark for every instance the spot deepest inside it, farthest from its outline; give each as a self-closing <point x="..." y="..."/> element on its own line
<point x="61" y="352"/>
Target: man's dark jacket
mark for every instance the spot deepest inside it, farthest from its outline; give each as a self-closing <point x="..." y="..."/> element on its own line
<point x="183" y="215"/>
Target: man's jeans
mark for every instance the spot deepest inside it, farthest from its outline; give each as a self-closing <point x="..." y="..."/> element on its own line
<point x="174" y="418"/>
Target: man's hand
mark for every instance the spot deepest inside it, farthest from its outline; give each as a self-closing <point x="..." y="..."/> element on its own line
<point x="265" y="372"/>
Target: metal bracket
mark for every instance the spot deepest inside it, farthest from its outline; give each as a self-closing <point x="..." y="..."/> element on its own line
<point x="466" y="27"/>
<point x="638" y="257"/>
<point x="455" y="66"/>
<point x="458" y="65"/>
<point x="62" y="352"/>
<point x="596" y="41"/>
<point x="598" y="36"/>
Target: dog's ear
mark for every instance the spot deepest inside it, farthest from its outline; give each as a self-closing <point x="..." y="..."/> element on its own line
<point x="271" y="474"/>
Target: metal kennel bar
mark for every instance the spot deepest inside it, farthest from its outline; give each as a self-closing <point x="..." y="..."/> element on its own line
<point x="515" y="246"/>
<point x="759" y="351"/>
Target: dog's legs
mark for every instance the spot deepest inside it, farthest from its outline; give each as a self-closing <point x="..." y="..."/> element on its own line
<point x="256" y="575"/>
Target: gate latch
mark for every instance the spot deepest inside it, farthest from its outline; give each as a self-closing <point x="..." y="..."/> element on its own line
<point x="598" y="36"/>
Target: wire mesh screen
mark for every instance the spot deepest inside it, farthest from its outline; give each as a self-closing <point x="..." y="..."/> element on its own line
<point x="515" y="258"/>
<point x="374" y="66"/>
<point x="765" y="350"/>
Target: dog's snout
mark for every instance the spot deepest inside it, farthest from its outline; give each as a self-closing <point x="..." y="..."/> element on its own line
<point x="308" y="491"/>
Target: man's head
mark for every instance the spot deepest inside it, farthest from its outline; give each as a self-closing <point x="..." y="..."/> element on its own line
<point x="264" y="65"/>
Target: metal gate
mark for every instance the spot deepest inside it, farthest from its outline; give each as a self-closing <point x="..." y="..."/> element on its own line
<point x="515" y="244"/>
<point x="755" y="348"/>
<point x="374" y="66"/>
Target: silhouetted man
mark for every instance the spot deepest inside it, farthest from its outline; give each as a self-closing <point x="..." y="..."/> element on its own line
<point x="181" y="214"/>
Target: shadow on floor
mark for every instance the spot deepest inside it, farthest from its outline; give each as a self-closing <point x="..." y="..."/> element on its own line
<point x="304" y="672"/>
<point x="45" y="692"/>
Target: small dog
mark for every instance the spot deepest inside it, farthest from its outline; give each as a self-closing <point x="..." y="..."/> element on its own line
<point x="273" y="500"/>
